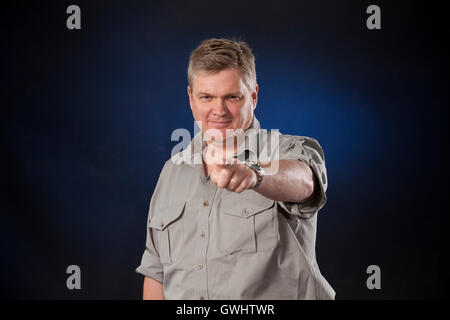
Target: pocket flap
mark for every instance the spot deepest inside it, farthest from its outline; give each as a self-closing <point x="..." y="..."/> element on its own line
<point x="163" y="217"/>
<point x="245" y="204"/>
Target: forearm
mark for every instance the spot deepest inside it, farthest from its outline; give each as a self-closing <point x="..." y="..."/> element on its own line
<point x="153" y="290"/>
<point x="294" y="181"/>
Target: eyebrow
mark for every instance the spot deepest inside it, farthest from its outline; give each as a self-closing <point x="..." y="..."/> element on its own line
<point x="228" y="94"/>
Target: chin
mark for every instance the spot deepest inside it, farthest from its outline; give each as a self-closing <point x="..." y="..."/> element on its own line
<point x="213" y="132"/>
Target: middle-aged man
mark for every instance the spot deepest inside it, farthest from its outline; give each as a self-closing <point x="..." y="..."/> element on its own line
<point x="234" y="227"/>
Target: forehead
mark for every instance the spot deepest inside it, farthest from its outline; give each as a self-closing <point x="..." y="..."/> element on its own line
<point x="225" y="81"/>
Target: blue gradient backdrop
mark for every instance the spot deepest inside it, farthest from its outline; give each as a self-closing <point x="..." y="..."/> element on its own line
<point x="87" y="117"/>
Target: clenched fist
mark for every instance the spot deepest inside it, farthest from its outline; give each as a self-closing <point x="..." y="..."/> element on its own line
<point x="234" y="177"/>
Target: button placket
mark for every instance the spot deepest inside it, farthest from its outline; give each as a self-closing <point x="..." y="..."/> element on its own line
<point x="200" y="268"/>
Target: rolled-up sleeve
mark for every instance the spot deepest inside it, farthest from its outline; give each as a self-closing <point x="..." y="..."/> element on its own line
<point x="150" y="263"/>
<point x="309" y="151"/>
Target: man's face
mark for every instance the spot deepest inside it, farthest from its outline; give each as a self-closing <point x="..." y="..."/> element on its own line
<point x="222" y="101"/>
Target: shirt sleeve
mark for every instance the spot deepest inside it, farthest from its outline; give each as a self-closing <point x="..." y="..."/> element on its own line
<point x="151" y="265"/>
<point x="309" y="151"/>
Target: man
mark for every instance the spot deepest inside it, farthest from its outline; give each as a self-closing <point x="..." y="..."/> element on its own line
<point x="225" y="228"/>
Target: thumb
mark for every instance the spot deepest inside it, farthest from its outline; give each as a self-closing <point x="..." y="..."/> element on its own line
<point x="215" y="171"/>
<point x="217" y="167"/>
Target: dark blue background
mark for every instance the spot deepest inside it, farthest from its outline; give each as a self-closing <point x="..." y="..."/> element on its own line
<point x="87" y="117"/>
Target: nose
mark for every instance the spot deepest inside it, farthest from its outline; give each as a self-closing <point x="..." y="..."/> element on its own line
<point x="219" y="108"/>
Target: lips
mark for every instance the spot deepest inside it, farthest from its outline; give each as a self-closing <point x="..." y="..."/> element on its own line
<point x="219" y="124"/>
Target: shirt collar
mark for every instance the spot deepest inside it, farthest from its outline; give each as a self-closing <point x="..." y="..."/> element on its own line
<point x="193" y="154"/>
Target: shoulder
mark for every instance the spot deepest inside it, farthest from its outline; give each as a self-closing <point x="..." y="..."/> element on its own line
<point x="311" y="145"/>
<point x="171" y="165"/>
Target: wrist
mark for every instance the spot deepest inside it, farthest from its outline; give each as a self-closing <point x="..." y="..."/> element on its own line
<point x="258" y="171"/>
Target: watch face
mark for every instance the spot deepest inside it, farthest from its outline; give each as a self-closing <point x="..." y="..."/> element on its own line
<point x="256" y="167"/>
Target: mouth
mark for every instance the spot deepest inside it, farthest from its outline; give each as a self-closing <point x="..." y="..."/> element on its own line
<point x="219" y="124"/>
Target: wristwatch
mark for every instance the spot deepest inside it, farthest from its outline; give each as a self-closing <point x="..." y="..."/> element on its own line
<point x="255" y="166"/>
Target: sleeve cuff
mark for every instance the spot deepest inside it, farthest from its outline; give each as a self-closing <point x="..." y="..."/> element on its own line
<point x="309" y="208"/>
<point x="151" y="267"/>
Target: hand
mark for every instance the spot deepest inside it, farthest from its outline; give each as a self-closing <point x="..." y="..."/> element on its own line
<point x="234" y="177"/>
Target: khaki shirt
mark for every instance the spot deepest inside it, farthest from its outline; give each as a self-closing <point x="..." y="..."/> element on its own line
<point x="205" y="242"/>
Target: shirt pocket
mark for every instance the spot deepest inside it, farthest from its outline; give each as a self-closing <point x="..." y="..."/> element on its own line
<point x="247" y="223"/>
<point x="167" y="227"/>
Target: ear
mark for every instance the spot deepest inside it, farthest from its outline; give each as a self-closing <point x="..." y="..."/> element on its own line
<point x="189" y="91"/>
<point x="255" y="96"/>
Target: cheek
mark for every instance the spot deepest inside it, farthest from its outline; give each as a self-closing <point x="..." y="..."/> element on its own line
<point x="241" y="111"/>
<point x="201" y="114"/>
<point x="236" y="109"/>
<point x="199" y="110"/>
<point x="204" y="111"/>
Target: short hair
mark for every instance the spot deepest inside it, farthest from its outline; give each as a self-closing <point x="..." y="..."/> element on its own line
<point x="214" y="55"/>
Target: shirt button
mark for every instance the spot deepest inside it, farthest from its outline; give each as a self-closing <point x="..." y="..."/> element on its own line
<point x="245" y="212"/>
<point x="203" y="234"/>
<point x="162" y="224"/>
<point x="200" y="266"/>
<point x="202" y="298"/>
<point x="206" y="203"/>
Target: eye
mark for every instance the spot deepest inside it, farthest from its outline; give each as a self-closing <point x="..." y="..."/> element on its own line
<point x="234" y="98"/>
<point x="205" y="97"/>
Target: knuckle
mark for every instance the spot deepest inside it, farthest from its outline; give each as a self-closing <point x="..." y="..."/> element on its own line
<point x="224" y="172"/>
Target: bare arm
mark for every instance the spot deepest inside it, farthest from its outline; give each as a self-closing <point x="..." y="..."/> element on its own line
<point x="293" y="181"/>
<point x="153" y="290"/>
